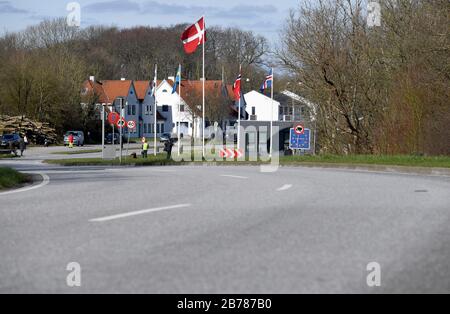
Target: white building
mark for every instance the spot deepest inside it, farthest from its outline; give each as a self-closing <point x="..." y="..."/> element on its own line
<point x="259" y="107"/>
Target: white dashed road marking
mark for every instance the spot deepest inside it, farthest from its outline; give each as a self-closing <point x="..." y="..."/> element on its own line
<point x="139" y="212"/>
<point x="284" y="187"/>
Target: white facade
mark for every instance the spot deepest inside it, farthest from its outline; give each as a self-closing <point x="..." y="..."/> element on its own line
<point x="259" y="107"/>
<point x="168" y="106"/>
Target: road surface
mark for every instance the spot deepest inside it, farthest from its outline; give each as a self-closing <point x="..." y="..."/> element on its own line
<point x="224" y="229"/>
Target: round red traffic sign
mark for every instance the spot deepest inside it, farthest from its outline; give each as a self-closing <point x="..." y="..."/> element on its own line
<point x="113" y="117"/>
<point x="299" y="129"/>
<point x="131" y="124"/>
<point x="121" y="123"/>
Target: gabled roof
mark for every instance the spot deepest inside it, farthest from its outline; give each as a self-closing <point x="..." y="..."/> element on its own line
<point x="116" y="89"/>
<point x="141" y="88"/>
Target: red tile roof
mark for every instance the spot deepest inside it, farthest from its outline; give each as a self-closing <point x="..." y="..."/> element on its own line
<point x="141" y="88"/>
<point x="109" y="90"/>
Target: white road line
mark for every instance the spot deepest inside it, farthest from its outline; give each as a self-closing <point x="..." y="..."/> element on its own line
<point x="285" y="187"/>
<point x="139" y="212"/>
<point x="45" y="181"/>
<point x="231" y="176"/>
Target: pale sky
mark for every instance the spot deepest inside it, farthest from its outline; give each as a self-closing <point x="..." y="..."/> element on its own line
<point x="264" y="17"/>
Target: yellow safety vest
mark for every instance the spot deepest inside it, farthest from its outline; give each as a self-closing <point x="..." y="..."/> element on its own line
<point x="145" y="146"/>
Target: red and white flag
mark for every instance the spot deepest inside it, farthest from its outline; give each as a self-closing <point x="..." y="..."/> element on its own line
<point x="194" y="36"/>
<point x="237" y="87"/>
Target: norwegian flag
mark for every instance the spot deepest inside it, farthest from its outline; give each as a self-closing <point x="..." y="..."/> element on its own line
<point x="267" y="82"/>
<point x="237" y="87"/>
<point x="194" y="36"/>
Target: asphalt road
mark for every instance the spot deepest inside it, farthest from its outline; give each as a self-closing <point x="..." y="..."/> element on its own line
<point x="224" y="230"/>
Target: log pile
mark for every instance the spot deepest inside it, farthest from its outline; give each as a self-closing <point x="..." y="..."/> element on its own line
<point x="36" y="132"/>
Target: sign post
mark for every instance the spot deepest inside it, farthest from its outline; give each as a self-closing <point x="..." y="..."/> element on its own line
<point x="131" y="125"/>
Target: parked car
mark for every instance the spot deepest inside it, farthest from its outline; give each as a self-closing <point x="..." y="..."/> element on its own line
<point x="109" y="138"/>
<point x="78" y="138"/>
<point x="8" y="138"/>
<point x="166" y="137"/>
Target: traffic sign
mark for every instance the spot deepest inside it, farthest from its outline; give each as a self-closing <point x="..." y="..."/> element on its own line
<point x="300" y="141"/>
<point x="299" y="129"/>
<point x="230" y="153"/>
<point x="131" y="125"/>
<point x="121" y="123"/>
<point x="113" y="117"/>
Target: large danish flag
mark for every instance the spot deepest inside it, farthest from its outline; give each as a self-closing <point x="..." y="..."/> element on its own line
<point x="194" y="36"/>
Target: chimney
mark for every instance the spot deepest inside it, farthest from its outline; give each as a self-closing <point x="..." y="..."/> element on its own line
<point x="92" y="78"/>
<point x="171" y="78"/>
<point x="122" y="79"/>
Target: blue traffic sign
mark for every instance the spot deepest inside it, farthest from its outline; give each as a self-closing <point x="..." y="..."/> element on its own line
<point x="300" y="141"/>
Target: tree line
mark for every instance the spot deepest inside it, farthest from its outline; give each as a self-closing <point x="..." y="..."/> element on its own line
<point x="44" y="66"/>
<point x="381" y="89"/>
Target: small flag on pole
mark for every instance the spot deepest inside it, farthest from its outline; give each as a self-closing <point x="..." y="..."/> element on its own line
<point x="237" y="86"/>
<point x="177" y="80"/>
<point x="194" y="36"/>
<point x="267" y="82"/>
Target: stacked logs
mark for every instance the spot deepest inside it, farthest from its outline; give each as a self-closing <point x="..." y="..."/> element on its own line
<point x="36" y="132"/>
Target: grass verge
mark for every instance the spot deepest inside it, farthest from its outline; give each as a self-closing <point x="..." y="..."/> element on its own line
<point x="160" y="160"/>
<point x="10" y="178"/>
<point x="78" y="152"/>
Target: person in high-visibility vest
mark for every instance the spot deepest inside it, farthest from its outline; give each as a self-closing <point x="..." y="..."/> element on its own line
<point x="145" y="147"/>
<point x="71" y="140"/>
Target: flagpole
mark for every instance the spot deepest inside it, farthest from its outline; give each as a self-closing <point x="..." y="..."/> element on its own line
<point x="179" y="115"/>
<point x="271" y="120"/>
<point x="239" y="110"/>
<point x="203" y="108"/>
<point x="156" y="110"/>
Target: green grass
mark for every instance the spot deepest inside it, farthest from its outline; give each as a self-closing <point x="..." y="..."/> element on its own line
<point x="160" y="160"/>
<point x="10" y="178"/>
<point x="150" y="161"/>
<point x="7" y="156"/>
<point x="394" y="160"/>
<point x="78" y="152"/>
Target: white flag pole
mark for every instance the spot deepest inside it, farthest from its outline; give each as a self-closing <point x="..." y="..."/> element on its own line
<point x="239" y="110"/>
<point x="155" y="112"/>
<point x="271" y="120"/>
<point x="203" y="108"/>
<point x="179" y="115"/>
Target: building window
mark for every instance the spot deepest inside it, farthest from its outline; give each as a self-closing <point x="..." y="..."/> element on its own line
<point x="253" y="111"/>
<point x="162" y="128"/>
<point x="131" y="110"/>
<point x="148" y="110"/>
<point x="165" y="108"/>
<point x="181" y="108"/>
<point x="158" y="128"/>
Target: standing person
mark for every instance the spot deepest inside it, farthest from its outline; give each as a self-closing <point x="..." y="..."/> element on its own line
<point x="22" y="146"/>
<point x="71" y="139"/>
<point x="25" y="139"/>
<point x="145" y="147"/>
<point x="168" y="145"/>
